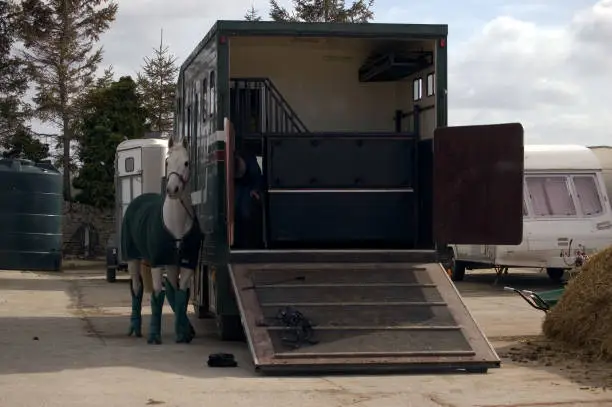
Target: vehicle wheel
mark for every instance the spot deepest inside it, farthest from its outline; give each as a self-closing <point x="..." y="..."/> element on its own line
<point x="111" y="274"/>
<point x="457" y="269"/>
<point x="555" y="274"/>
<point x="229" y="328"/>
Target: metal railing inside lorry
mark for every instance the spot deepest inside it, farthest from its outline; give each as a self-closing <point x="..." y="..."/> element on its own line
<point x="257" y="106"/>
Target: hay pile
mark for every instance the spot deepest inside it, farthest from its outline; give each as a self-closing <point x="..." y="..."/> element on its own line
<point x="583" y="316"/>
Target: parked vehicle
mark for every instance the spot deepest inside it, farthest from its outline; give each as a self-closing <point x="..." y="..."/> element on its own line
<point x="139" y="168"/>
<point x="350" y="221"/>
<point x="566" y="209"/>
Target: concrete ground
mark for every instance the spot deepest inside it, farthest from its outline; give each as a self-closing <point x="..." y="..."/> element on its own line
<point x="63" y="344"/>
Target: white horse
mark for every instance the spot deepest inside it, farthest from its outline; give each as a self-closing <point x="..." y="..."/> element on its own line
<point x="163" y="231"/>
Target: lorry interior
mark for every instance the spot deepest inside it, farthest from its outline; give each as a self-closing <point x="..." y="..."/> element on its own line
<point x="345" y="146"/>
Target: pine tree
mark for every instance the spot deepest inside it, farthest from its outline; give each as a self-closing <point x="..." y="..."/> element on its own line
<point x="252" y="14"/>
<point x="60" y="39"/>
<point x="157" y="87"/>
<point x="13" y="78"/>
<point x="324" y="11"/>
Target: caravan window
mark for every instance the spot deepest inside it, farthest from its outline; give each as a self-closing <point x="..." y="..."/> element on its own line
<point x="588" y="194"/>
<point x="550" y="196"/>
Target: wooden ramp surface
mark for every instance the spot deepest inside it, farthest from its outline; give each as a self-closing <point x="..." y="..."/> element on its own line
<point x="398" y="316"/>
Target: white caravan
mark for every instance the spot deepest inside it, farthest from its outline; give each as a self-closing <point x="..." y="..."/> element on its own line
<point x="139" y="168"/>
<point x="565" y="208"/>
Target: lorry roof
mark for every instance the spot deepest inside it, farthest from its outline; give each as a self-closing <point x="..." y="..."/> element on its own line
<point x="274" y="28"/>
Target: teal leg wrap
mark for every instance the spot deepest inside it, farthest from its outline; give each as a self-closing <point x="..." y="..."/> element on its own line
<point x="157" y="302"/>
<point x="136" y="317"/>
<point x="181" y="321"/>
<point x="171" y="295"/>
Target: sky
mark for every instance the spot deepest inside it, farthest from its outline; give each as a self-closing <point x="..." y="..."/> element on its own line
<point x="544" y="63"/>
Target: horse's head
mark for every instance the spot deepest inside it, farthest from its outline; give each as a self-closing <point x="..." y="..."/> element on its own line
<point x="177" y="168"/>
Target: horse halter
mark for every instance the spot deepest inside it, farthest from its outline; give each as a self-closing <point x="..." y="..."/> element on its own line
<point x="183" y="180"/>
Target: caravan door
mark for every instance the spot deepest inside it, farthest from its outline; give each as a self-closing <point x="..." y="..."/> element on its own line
<point x="129" y="185"/>
<point x="129" y="170"/>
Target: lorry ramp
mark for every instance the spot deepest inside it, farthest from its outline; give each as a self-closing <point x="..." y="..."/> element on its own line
<point x="364" y="316"/>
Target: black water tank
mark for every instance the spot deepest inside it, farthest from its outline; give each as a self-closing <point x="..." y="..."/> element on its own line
<point x="30" y="216"/>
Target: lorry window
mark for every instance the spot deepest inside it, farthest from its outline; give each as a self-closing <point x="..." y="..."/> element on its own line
<point x="431" y="84"/>
<point x="204" y="99"/>
<point x="189" y="124"/>
<point x="550" y="196"/>
<point x="588" y="195"/>
<point x="417" y="89"/>
<point x="212" y="97"/>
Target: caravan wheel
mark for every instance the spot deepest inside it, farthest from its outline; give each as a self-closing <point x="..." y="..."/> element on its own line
<point x="555" y="274"/>
<point x="457" y="268"/>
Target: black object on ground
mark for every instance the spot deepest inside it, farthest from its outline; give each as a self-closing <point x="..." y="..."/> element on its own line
<point x="221" y="360"/>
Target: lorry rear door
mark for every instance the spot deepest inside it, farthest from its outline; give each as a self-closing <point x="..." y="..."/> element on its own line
<point x="478" y="184"/>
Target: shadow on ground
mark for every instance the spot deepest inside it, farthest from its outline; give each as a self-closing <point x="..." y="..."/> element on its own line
<point x="49" y="344"/>
<point x="482" y="283"/>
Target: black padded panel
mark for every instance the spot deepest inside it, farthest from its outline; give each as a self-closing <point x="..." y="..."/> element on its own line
<point x="342" y="217"/>
<point x="330" y="161"/>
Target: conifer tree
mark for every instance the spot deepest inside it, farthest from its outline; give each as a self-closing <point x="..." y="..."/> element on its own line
<point x="252" y="14"/>
<point x="334" y="11"/>
<point x="157" y="88"/>
<point x="61" y="51"/>
<point x="13" y="77"/>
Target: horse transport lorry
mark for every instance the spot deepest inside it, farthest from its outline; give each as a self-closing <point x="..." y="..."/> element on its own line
<point x="364" y="186"/>
<point x="566" y="208"/>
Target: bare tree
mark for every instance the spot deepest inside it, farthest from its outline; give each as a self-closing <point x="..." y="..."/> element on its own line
<point x="60" y="39"/>
<point x="157" y="87"/>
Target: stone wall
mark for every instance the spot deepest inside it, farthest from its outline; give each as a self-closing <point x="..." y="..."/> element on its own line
<point x="80" y="221"/>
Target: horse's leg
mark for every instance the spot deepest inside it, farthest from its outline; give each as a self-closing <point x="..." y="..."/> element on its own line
<point x="171" y="285"/>
<point x="136" y="290"/>
<point x="157" y="303"/>
<point x="184" y="329"/>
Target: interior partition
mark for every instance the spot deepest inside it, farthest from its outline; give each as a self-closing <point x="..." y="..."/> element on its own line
<point x="339" y="190"/>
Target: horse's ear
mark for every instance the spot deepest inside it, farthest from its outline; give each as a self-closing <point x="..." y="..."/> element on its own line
<point x="170" y="141"/>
